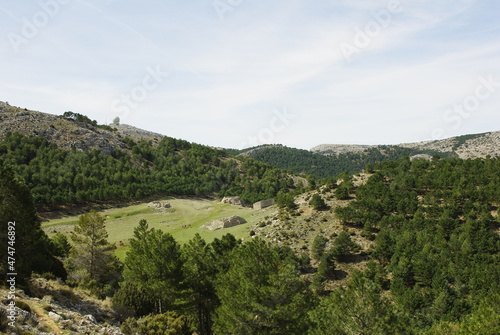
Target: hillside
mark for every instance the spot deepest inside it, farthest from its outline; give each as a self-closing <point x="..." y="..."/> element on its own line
<point x="326" y="164"/>
<point x="63" y="132"/>
<point x="329" y="160"/>
<point x="466" y="146"/>
<point x="68" y="133"/>
<point x="71" y="160"/>
<point x="55" y="308"/>
<point x="409" y="247"/>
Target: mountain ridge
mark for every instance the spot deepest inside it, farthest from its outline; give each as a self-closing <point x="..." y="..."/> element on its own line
<point x="465" y="146"/>
<point x="69" y="134"/>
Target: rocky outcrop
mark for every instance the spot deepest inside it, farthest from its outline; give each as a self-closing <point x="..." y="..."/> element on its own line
<point x="232" y="201"/>
<point x="66" y="134"/>
<point x="159" y="205"/>
<point x="59" y="311"/>
<point x="466" y="146"/>
<point x="225" y="223"/>
<point x="137" y="134"/>
<point x="421" y="156"/>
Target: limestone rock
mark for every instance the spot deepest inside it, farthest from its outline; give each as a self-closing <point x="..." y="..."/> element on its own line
<point x="91" y="318"/>
<point x="225" y="223"/>
<point x="159" y="205"/>
<point x="421" y="156"/>
<point x="54" y="316"/>
<point x="232" y="201"/>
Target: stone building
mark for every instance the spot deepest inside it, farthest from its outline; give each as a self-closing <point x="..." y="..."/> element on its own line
<point x="263" y="204"/>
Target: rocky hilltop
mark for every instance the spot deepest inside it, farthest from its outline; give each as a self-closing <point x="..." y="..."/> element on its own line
<point x="466" y="146"/>
<point x="137" y="134"/>
<point x="69" y="134"/>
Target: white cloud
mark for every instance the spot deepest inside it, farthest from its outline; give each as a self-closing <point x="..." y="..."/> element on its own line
<point x="226" y="77"/>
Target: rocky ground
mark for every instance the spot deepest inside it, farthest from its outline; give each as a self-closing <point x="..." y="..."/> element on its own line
<point x="68" y="134"/>
<point x="297" y="229"/>
<point x="53" y="308"/>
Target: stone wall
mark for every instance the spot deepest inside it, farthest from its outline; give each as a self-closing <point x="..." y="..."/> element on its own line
<point x="263" y="204"/>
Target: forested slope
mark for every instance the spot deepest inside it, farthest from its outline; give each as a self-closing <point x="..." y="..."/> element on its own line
<point x="172" y="167"/>
<point x="437" y="240"/>
<point x="331" y="165"/>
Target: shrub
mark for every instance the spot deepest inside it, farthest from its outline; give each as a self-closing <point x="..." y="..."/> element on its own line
<point x="169" y="323"/>
<point x="317" y="202"/>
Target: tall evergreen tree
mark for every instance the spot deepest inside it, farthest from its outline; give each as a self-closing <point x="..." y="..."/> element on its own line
<point x="317" y="202"/>
<point x="357" y="309"/>
<point x="29" y="245"/>
<point x="318" y="246"/>
<point x="343" y="246"/>
<point x="154" y="263"/>
<point x="262" y="293"/>
<point x="200" y="270"/>
<point x="92" y="262"/>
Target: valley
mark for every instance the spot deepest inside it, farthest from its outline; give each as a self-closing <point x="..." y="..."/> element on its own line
<point x="403" y="236"/>
<point x="183" y="220"/>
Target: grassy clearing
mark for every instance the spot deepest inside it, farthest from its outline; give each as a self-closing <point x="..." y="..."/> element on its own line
<point x="183" y="221"/>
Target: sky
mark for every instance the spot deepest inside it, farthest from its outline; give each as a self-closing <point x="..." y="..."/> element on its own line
<point x="241" y="73"/>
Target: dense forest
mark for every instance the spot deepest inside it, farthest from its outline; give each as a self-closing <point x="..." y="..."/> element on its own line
<point x="173" y="167"/>
<point x="325" y="166"/>
<point x="434" y="267"/>
<point x="437" y="241"/>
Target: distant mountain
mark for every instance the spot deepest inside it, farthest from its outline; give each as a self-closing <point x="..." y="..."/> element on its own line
<point x="466" y="146"/>
<point x="352" y="159"/>
<point x="329" y="160"/>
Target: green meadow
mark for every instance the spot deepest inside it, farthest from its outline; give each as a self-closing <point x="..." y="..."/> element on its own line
<point x="183" y="220"/>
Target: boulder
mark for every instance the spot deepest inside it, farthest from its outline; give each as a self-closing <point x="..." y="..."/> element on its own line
<point x="421" y="156"/>
<point x="232" y="201"/>
<point x="159" y="204"/>
<point x="54" y="316"/>
<point x="91" y="318"/>
<point x="225" y="223"/>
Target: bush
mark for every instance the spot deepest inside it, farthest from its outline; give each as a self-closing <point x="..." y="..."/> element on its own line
<point x="131" y="299"/>
<point x="286" y="200"/>
<point x="318" y="247"/>
<point x="169" y="323"/>
<point x="23" y="305"/>
<point x="343" y="246"/>
<point x="317" y="202"/>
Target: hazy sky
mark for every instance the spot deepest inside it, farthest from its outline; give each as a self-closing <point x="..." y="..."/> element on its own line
<point x="238" y="73"/>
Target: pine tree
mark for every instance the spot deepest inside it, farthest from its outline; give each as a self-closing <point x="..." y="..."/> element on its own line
<point x="357" y="309"/>
<point x="318" y="246"/>
<point x="92" y="262"/>
<point x="317" y="202"/>
<point x="200" y="270"/>
<point x="154" y="264"/>
<point x="29" y="245"/>
<point x="262" y="293"/>
<point x="343" y="246"/>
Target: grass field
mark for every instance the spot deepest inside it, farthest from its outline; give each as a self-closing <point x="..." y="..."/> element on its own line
<point x="183" y="220"/>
